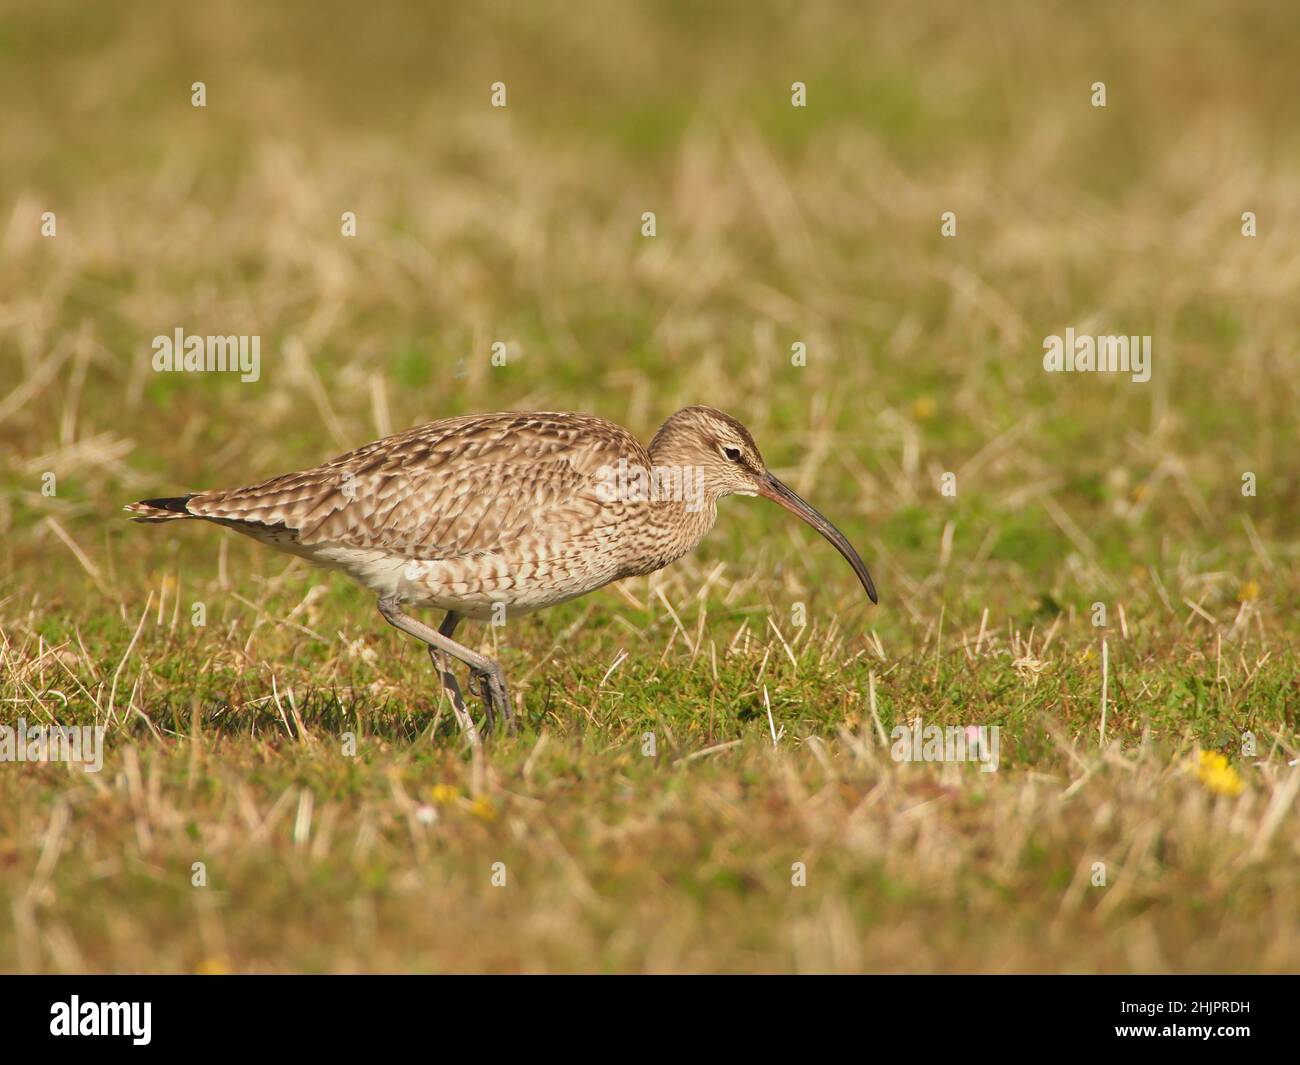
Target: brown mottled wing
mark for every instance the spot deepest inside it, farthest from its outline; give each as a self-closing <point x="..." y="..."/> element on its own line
<point x="451" y="488"/>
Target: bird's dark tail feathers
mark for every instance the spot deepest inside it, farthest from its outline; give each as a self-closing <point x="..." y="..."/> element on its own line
<point x="155" y="510"/>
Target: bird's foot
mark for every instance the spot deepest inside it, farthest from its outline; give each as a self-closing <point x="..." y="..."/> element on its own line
<point x="490" y="686"/>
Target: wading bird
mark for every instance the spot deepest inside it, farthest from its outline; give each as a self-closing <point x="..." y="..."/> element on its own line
<point x="503" y="513"/>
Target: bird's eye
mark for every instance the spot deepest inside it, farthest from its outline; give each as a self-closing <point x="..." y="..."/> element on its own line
<point x="732" y="453"/>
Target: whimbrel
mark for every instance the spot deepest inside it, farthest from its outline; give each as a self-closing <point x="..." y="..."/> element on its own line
<point x="509" y="512"/>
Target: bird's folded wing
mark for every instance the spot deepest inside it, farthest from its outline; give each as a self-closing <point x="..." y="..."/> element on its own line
<point x="448" y="489"/>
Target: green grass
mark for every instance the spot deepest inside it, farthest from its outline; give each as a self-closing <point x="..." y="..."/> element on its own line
<point x="231" y="743"/>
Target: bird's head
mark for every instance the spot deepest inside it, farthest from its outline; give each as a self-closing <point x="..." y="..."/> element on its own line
<point x="728" y="462"/>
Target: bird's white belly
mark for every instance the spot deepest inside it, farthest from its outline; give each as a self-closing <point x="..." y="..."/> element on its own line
<point x="485" y="587"/>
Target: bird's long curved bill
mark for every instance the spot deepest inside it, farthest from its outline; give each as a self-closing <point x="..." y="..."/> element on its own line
<point x="771" y="488"/>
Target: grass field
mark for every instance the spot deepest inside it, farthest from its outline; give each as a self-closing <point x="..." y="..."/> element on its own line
<point x="1151" y="841"/>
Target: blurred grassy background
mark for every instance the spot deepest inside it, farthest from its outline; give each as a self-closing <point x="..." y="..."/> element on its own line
<point x="775" y="225"/>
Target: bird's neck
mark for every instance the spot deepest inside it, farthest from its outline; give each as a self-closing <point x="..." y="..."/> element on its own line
<point x="679" y="510"/>
<point x="676" y="511"/>
<point x="671" y="528"/>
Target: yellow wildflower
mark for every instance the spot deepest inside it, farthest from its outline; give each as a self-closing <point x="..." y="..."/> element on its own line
<point x="483" y="809"/>
<point x="1216" y="774"/>
<point x="444" y="794"/>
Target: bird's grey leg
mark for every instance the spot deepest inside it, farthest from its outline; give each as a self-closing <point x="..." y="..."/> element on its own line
<point x="442" y="664"/>
<point x="447" y="629"/>
<point x="440" y="640"/>
<point x="437" y="643"/>
<point x="489" y="683"/>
